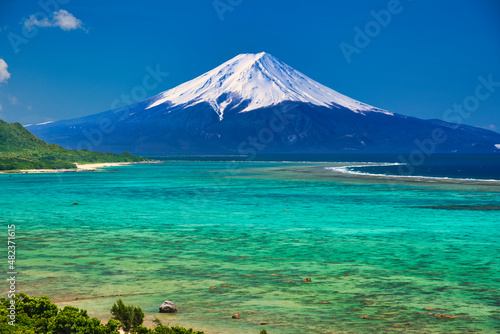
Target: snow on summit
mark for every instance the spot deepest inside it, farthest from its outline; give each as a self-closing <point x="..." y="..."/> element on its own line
<point x="260" y="79"/>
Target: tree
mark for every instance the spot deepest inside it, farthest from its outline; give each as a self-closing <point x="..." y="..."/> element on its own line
<point x="73" y="320"/>
<point x="39" y="315"/>
<point x="142" y="330"/>
<point x="129" y="315"/>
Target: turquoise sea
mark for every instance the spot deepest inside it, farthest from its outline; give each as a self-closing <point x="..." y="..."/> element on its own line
<point x="382" y="247"/>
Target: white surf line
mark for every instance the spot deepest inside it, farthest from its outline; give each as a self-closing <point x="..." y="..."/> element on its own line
<point x="345" y="170"/>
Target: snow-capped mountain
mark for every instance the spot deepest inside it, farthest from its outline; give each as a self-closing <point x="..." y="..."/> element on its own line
<point x="259" y="78"/>
<point x="256" y="104"/>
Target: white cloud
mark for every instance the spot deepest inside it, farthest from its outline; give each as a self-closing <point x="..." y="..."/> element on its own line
<point x="0" y="107"/>
<point x="66" y="20"/>
<point x="4" y="74"/>
<point x="61" y="19"/>
<point x="12" y="99"/>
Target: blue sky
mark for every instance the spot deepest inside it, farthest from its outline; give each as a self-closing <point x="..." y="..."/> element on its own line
<point x="84" y="57"/>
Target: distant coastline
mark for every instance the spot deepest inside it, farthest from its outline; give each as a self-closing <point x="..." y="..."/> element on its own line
<point x="79" y="168"/>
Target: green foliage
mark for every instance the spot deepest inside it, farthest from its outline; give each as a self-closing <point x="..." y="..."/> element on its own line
<point x="129" y="315"/>
<point x="157" y="321"/>
<point x="142" y="330"/>
<point x="162" y="329"/>
<point x="19" y="149"/>
<point x="39" y="315"/>
<point x="74" y="320"/>
<point x="113" y="325"/>
<point x="37" y="308"/>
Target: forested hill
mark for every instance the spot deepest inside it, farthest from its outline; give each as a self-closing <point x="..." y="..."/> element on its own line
<point x="19" y="149"/>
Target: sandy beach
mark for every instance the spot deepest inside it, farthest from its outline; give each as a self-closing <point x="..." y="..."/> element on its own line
<point x="95" y="167"/>
<point x="169" y="319"/>
<point x="79" y="168"/>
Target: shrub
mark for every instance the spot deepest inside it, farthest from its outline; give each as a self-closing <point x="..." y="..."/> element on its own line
<point x="39" y="315"/>
<point x="129" y="315"/>
<point x="142" y="330"/>
<point x="74" y="320"/>
<point x="174" y="330"/>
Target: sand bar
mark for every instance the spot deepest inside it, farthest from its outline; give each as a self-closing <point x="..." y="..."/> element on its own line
<point x="79" y="168"/>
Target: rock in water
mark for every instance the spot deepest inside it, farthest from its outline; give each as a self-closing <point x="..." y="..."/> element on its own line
<point x="236" y="316"/>
<point x="168" y="307"/>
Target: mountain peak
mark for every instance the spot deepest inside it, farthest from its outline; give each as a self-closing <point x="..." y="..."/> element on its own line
<point x="252" y="56"/>
<point x="258" y="79"/>
<point x="242" y="92"/>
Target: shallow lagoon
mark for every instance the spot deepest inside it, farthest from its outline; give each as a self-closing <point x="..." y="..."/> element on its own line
<point x="375" y="246"/>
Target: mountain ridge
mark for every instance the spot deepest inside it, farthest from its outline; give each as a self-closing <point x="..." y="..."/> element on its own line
<point x="260" y="78"/>
<point x="217" y="112"/>
<point x="20" y="149"/>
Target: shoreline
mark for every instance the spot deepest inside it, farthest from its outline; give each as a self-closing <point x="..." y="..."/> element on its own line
<point x="357" y="233"/>
<point x="169" y="319"/>
<point x="80" y="167"/>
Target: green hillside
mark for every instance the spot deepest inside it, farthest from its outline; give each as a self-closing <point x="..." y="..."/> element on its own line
<point x="19" y="149"/>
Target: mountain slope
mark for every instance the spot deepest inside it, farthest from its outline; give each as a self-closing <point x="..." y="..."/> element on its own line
<point x="253" y="104"/>
<point x="19" y="149"/>
<point x="260" y="79"/>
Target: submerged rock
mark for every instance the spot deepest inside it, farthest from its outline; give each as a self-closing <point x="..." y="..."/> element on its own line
<point x="168" y="307"/>
<point x="443" y="315"/>
<point x="307" y="280"/>
<point x="236" y="316"/>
